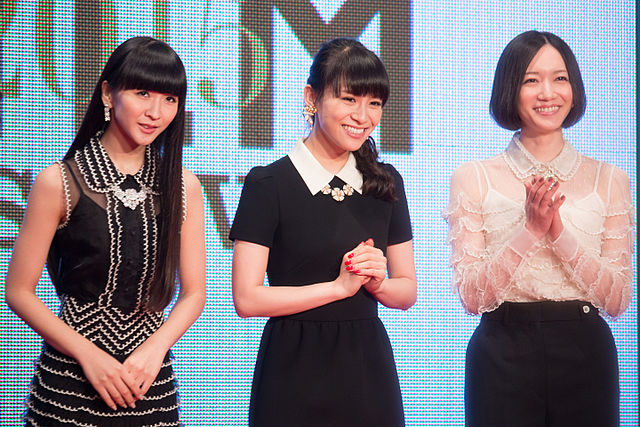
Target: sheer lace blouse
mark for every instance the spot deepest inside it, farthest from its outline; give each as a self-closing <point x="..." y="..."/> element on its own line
<point x="495" y="258"/>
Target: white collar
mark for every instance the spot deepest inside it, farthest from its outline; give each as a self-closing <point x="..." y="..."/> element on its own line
<point x="523" y="164"/>
<point x="316" y="176"/>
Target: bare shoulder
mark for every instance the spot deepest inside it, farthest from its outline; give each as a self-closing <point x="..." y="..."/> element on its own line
<point x="47" y="195"/>
<point x="49" y="181"/>
<point x="192" y="184"/>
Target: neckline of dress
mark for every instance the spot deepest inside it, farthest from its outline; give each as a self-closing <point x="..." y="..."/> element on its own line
<point x="101" y="174"/>
<point x="523" y="164"/>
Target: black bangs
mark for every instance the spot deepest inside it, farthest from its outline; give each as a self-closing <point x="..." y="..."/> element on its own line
<point x="346" y="64"/>
<point x="360" y="75"/>
<point x="510" y="71"/>
<point x="151" y="65"/>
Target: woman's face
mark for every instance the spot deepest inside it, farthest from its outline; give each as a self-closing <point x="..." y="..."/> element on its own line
<point x="139" y="116"/>
<point x="345" y="121"/>
<point x="545" y="97"/>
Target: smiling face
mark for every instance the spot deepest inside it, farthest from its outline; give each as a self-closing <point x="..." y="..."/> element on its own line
<point x="138" y="116"/>
<point x="344" y="122"/>
<point x="546" y="97"/>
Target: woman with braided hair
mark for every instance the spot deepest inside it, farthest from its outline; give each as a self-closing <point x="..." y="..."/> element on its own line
<point x="327" y="223"/>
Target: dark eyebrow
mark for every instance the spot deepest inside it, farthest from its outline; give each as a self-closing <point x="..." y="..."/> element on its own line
<point x="562" y="70"/>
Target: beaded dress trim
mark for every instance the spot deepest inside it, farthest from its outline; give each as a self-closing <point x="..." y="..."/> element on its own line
<point x="60" y="392"/>
<point x="67" y="195"/>
<point x="524" y="165"/>
<point x="117" y="330"/>
<point x="101" y="176"/>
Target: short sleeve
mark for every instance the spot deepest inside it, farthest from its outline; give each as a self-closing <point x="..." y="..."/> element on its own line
<point x="400" y="225"/>
<point x="256" y="218"/>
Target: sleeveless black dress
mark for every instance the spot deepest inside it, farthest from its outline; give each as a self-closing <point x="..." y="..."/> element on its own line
<point x="332" y="365"/>
<point x="100" y="262"/>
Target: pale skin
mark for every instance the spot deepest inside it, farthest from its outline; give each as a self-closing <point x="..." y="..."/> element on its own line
<point x="341" y="125"/>
<point x="118" y="384"/>
<point x="545" y="100"/>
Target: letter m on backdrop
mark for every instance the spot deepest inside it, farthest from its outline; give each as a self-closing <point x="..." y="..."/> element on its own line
<point x="350" y="21"/>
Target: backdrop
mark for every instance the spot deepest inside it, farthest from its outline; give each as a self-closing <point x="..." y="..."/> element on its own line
<point x="247" y="63"/>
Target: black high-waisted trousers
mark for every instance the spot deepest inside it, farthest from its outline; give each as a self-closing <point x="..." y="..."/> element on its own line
<point x="542" y="364"/>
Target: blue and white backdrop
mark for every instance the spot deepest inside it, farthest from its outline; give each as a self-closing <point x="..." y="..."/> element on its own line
<point x="247" y="63"/>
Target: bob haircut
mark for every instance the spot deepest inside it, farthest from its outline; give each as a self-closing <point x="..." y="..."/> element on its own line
<point x="149" y="64"/>
<point x="345" y="64"/>
<point x="512" y="66"/>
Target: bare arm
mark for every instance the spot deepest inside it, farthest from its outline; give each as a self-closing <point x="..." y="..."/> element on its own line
<point x="145" y="362"/>
<point x="45" y="210"/>
<point x="252" y="298"/>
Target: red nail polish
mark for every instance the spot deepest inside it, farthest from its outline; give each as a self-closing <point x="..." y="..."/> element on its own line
<point x="349" y="267"/>
<point x="350" y="255"/>
<point x="347" y="262"/>
<point x="357" y="271"/>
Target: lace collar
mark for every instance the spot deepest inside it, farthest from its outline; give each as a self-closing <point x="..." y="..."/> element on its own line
<point x="316" y="176"/>
<point x="101" y="175"/>
<point x="523" y="164"/>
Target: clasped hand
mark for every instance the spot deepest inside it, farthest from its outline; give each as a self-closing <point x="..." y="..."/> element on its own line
<point x="542" y="207"/>
<point x="121" y="384"/>
<point x="365" y="265"/>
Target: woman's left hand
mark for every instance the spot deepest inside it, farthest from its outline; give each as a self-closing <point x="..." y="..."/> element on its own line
<point x="144" y="364"/>
<point x="369" y="261"/>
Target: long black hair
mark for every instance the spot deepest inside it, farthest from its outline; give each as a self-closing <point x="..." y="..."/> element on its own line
<point x="510" y="71"/>
<point x="345" y="64"/>
<point x="149" y="64"/>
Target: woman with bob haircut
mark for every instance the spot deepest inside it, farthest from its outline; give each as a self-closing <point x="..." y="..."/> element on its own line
<point x="326" y="223"/>
<point x="541" y="240"/>
<point x="114" y="220"/>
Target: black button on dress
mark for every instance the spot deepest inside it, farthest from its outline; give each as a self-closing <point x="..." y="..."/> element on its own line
<point x="332" y="365"/>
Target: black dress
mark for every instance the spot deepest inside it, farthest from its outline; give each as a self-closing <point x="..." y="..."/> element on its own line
<point x="100" y="262"/>
<point x="332" y="365"/>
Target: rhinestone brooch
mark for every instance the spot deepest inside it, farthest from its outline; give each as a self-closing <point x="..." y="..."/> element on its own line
<point x="130" y="197"/>
<point x="338" y="194"/>
<point x="545" y="172"/>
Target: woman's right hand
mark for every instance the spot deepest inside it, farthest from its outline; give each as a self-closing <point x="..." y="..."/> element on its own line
<point x="348" y="282"/>
<point x="111" y="379"/>
<point x="540" y="205"/>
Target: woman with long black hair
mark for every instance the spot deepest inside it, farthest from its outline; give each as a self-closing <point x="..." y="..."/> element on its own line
<point x="327" y="223"/>
<point x="115" y="220"/>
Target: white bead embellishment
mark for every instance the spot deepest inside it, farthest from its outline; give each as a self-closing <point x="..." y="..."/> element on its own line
<point x="338" y="194"/>
<point x="130" y="197"/>
<point x="545" y="171"/>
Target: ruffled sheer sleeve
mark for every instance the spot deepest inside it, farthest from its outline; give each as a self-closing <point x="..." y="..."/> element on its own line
<point x="481" y="278"/>
<point x="605" y="276"/>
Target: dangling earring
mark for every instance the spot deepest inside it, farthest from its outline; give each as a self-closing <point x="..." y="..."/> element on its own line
<point x="309" y="113"/>
<point x="107" y="114"/>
